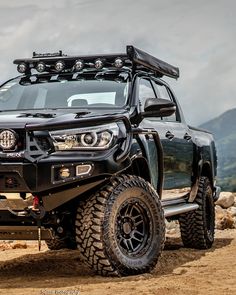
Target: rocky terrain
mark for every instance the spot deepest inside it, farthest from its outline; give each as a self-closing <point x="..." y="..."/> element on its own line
<point x="225" y="211"/>
<point x="23" y="270"/>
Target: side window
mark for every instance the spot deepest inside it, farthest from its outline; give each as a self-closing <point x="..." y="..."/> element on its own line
<point x="145" y="91"/>
<point x="162" y="92"/>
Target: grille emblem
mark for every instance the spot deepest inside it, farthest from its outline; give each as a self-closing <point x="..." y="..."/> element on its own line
<point x="8" y="139"/>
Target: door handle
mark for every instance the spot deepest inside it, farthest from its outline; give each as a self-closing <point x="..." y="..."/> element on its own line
<point x="187" y="136"/>
<point x="169" y="135"/>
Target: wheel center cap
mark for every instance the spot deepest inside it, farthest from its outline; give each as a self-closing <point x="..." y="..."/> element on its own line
<point x="127" y="228"/>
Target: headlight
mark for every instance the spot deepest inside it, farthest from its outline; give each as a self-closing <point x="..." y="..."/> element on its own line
<point x="91" y="138"/>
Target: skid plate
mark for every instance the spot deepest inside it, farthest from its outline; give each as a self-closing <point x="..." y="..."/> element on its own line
<point x="24" y="233"/>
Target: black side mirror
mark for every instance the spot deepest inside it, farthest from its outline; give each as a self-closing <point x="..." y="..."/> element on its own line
<point x="158" y="107"/>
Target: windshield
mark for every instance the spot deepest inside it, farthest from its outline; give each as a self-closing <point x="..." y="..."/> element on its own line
<point x="87" y="90"/>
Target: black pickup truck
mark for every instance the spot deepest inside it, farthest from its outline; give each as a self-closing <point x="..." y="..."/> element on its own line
<point x="95" y="154"/>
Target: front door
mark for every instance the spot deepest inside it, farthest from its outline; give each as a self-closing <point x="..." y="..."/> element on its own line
<point x="175" y="138"/>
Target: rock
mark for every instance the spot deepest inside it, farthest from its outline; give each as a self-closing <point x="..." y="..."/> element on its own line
<point x="19" y="246"/>
<point x="224" y="220"/>
<point x="219" y="209"/>
<point x="5" y="246"/>
<point x="225" y="200"/>
<point x="232" y="211"/>
<point x="172" y="227"/>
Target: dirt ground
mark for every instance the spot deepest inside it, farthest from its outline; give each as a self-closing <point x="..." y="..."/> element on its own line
<point x="179" y="271"/>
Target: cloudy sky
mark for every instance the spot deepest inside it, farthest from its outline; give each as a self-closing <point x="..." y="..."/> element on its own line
<point x="197" y="36"/>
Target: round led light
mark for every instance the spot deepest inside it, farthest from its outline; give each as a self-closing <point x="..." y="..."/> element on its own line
<point x="22" y="68"/>
<point x="98" y="64"/>
<point x="118" y="63"/>
<point x="79" y="65"/>
<point x="8" y="139"/>
<point x="89" y="139"/>
<point x="41" y="67"/>
<point x="59" y="66"/>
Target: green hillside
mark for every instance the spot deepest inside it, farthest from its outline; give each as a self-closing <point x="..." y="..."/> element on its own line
<point x="224" y="130"/>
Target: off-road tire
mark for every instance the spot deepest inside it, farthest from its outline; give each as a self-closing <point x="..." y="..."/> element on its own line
<point x="198" y="227"/>
<point x="106" y="221"/>
<point x="58" y="244"/>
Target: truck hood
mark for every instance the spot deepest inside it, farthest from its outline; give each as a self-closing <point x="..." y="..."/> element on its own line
<point x="51" y="119"/>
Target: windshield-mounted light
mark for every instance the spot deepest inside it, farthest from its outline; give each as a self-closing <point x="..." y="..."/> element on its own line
<point x="91" y="138"/>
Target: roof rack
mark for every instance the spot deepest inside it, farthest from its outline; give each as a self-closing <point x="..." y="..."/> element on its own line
<point x="134" y="58"/>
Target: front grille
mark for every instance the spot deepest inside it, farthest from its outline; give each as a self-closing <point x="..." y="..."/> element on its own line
<point x="21" y="141"/>
<point x="29" y="147"/>
<point x="43" y="143"/>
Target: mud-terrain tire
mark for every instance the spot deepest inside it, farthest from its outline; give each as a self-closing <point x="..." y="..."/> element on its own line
<point x="120" y="230"/>
<point x="198" y="227"/>
<point x="58" y="244"/>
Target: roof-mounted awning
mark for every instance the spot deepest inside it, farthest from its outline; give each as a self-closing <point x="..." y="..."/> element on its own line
<point x="134" y="58"/>
<point x="150" y="62"/>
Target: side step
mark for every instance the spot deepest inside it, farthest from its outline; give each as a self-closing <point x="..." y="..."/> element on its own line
<point x="24" y="233"/>
<point x="177" y="206"/>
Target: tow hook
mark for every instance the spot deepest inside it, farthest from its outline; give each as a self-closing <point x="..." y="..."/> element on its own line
<point x="37" y="212"/>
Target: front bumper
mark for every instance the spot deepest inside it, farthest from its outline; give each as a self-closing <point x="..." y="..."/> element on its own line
<point x="33" y="169"/>
<point x="43" y="176"/>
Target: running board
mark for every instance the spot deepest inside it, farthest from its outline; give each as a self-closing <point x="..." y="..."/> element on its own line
<point x="176" y="206"/>
<point x="179" y="209"/>
<point x="24" y="233"/>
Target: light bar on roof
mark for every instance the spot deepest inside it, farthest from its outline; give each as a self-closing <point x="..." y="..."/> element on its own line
<point x="135" y="59"/>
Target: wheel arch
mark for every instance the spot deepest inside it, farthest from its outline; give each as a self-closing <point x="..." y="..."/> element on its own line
<point x="139" y="167"/>
<point x="206" y="170"/>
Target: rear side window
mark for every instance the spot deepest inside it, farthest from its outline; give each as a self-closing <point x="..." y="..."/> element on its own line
<point x="162" y="92"/>
<point x="145" y="91"/>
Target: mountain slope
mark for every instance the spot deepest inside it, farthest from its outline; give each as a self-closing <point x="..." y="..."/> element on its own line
<point x="224" y="130"/>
